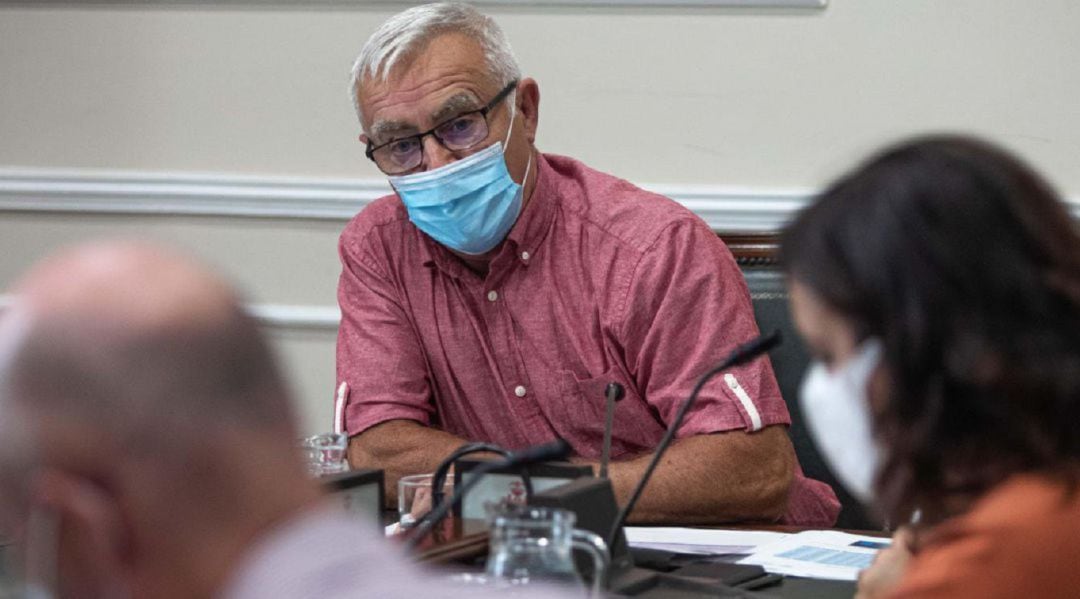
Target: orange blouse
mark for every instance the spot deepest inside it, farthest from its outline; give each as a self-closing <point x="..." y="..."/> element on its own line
<point x="1020" y="541"/>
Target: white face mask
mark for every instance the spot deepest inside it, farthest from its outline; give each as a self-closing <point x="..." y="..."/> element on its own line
<point x="837" y="413"/>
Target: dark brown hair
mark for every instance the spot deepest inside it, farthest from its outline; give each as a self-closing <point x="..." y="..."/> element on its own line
<point x="966" y="265"/>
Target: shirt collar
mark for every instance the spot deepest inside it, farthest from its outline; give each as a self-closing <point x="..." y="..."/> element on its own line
<point x="534" y="223"/>
<point x="526" y="237"/>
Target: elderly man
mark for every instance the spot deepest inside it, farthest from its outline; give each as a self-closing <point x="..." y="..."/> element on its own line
<point x="500" y="290"/>
<point x="148" y="445"/>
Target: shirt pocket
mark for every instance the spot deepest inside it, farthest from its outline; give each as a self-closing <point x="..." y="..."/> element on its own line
<point x="581" y="406"/>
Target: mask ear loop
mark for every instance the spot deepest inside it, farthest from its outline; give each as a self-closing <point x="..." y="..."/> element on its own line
<point x="528" y="165"/>
<point x="513" y="114"/>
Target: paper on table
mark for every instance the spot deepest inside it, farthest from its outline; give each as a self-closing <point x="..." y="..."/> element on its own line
<point x="819" y="554"/>
<point x="700" y="540"/>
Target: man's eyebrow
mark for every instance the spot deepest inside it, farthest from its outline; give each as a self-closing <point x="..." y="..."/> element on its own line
<point x="383" y="130"/>
<point x="455" y="105"/>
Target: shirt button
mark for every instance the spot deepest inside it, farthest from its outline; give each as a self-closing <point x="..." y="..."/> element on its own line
<point x="520" y="391"/>
<point x="524" y="255"/>
<point x="493" y="295"/>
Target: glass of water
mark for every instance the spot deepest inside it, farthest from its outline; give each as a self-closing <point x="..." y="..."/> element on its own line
<point x="325" y="453"/>
<point x="415" y="497"/>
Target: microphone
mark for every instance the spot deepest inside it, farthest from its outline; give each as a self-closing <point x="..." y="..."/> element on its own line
<point x="547" y="452"/>
<point x="740" y="355"/>
<point x="613" y="392"/>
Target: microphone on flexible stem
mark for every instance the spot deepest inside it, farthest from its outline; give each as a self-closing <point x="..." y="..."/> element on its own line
<point x="742" y="354"/>
<point x="613" y="392"/>
<point x="555" y="450"/>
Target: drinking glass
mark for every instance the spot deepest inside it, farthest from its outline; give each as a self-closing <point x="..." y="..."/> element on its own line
<point x="325" y="453"/>
<point x="414" y="497"/>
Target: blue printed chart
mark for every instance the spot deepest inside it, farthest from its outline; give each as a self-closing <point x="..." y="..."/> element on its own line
<point x="818" y="554"/>
<point x="829" y="557"/>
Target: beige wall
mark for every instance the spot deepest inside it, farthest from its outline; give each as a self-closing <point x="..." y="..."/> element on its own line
<point x="753" y="98"/>
<point x="750" y="97"/>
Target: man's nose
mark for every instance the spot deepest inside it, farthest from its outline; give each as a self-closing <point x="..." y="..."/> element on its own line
<point x="436" y="154"/>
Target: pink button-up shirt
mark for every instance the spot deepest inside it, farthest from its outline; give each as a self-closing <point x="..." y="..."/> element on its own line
<point x="598" y="281"/>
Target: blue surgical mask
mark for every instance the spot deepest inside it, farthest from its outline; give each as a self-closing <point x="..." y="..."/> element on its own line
<point x="468" y="205"/>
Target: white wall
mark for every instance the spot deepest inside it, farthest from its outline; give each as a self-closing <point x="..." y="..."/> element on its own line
<point x="757" y="99"/>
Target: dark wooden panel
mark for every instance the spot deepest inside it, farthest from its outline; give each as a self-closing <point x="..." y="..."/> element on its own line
<point x="753" y="249"/>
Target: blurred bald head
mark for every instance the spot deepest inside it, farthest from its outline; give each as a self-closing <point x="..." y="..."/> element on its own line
<point x="140" y="405"/>
<point x="140" y="340"/>
<point x="143" y="285"/>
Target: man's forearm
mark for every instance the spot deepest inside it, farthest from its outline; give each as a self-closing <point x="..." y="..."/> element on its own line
<point x="399" y="448"/>
<point x="725" y="477"/>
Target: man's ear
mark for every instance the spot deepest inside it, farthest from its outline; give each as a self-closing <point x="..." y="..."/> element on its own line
<point x="528" y="106"/>
<point x="94" y="553"/>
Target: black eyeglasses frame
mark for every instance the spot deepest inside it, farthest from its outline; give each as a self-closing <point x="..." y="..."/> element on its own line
<point x="484" y="110"/>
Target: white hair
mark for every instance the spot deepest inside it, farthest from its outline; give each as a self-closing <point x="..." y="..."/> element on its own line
<point x="409" y="31"/>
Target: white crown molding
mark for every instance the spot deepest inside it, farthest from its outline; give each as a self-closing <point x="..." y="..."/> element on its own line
<point x="164" y="194"/>
<point x="169" y="194"/>
<point x="285" y="316"/>
<point x="724" y="208"/>
<point x="735" y="209"/>
<point x="276" y="316"/>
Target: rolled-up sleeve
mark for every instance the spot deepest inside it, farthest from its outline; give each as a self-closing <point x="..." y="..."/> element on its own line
<point x="687" y="307"/>
<point x="378" y="353"/>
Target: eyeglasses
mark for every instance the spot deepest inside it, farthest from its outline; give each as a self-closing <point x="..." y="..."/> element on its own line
<point x="459" y="133"/>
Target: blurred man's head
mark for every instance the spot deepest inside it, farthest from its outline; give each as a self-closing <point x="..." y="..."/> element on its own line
<point x="150" y="426"/>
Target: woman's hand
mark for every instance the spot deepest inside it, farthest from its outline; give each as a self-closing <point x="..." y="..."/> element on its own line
<point x="888" y="568"/>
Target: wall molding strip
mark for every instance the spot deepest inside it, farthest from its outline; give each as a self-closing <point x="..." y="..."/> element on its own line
<point x="165" y="194"/>
<point x="285" y="316"/>
<point x="276" y="316"/>
<point x="724" y="208"/>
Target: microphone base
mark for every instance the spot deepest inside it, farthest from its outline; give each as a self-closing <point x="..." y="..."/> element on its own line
<point x="593" y="500"/>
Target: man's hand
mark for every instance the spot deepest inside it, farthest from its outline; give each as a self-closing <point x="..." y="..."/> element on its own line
<point x="888" y="568"/>
<point x="399" y="448"/>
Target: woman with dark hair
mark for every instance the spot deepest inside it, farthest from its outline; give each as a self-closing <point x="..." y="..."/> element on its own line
<point x="939" y="287"/>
